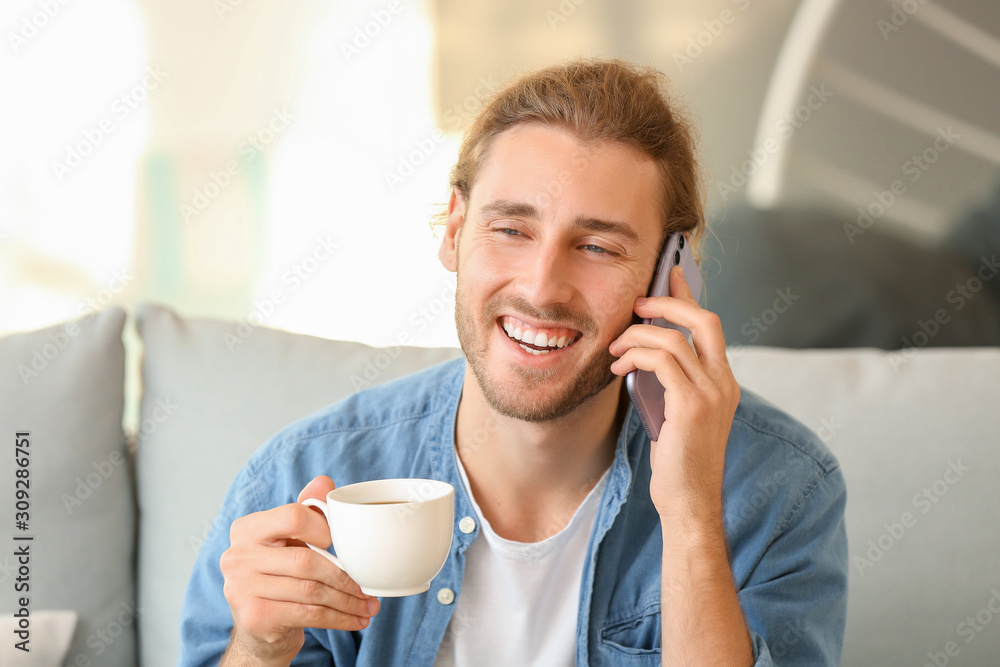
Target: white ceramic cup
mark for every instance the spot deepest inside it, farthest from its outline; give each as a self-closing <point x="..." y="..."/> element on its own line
<point x="392" y="536"/>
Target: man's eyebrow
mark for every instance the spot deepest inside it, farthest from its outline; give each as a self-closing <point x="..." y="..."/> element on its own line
<point x="516" y="209"/>
<point x="620" y="229"/>
<point x="507" y="208"/>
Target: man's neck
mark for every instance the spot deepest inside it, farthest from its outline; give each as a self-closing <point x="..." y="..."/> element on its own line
<point x="528" y="478"/>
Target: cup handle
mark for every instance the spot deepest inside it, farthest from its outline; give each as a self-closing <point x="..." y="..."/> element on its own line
<point x="314" y="502"/>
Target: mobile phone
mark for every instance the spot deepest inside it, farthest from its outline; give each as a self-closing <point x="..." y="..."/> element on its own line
<point x="643" y="386"/>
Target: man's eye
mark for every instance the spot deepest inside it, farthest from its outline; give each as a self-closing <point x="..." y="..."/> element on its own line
<point x="507" y="231"/>
<point x="598" y="250"/>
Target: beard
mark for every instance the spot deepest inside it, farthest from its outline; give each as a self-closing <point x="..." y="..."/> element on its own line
<point x="535" y="395"/>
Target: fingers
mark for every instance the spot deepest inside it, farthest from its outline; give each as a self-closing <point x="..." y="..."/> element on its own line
<point x="257" y="618"/>
<point x="309" y="591"/>
<point x="293" y="521"/>
<point x="644" y="344"/>
<point x="274" y="588"/>
<point x="317" y="488"/>
<point x="696" y="396"/>
<point x="679" y="287"/>
<point x="296" y="574"/>
<point x="666" y="351"/>
<point x="303" y="563"/>
<point x="268" y="607"/>
<point x="669" y="373"/>
<point x="268" y="543"/>
<point x="704" y="325"/>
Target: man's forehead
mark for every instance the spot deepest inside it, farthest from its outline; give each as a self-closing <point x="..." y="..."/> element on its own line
<point x="578" y="148"/>
<point x="530" y="166"/>
<point x="535" y="144"/>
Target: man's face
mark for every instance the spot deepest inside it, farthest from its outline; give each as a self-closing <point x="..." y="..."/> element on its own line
<point x="556" y="242"/>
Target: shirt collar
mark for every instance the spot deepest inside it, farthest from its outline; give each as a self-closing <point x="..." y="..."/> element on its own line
<point x="630" y="447"/>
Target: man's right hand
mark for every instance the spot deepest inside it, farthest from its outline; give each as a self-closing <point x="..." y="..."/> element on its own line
<point x="276" y="585"/>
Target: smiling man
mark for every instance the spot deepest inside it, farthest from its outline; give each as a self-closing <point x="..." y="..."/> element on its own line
<point x="577" y="540"/>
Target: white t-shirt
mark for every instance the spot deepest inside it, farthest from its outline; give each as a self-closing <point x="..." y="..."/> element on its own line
<point x="519" y="600"/>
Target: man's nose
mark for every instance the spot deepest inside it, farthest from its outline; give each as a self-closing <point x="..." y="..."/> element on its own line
<point x="548" y="278"/>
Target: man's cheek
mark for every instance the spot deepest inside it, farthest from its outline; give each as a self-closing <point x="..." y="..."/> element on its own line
<point x="618" y="318"/>
<point x="488" y="267"/>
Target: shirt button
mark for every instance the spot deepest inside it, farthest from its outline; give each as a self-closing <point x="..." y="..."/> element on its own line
<point x="467" y="525"/>
<point x="446" y="596"/>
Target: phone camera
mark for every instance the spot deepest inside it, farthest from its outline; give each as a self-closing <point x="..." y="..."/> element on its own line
<point x="677" y="257"/>
<point x="681" y="244"/>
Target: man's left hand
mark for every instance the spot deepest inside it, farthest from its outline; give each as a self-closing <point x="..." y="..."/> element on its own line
<point x="700" y="396"/>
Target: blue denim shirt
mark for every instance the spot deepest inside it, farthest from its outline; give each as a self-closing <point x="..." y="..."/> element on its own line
<point x="784" y="519"/>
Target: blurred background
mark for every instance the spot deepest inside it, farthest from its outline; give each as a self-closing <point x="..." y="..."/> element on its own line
<point x="278" y="163"/>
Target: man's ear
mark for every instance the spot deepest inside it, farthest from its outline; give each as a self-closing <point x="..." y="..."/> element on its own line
<point x="448" y="252"/>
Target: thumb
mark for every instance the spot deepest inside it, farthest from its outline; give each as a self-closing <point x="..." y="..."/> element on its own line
<point x="317" y="488"/>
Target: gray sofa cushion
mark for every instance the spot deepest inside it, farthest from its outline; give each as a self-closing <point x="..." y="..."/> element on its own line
<point x="212" y="394"/>
<point x="917" y="439"/>
<point x="899" y="423"/>
<point x="63" y="384"/>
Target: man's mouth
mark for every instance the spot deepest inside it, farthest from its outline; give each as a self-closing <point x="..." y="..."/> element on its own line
<point x="538" y="340"/>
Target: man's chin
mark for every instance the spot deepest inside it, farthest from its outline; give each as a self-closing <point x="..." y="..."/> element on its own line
<point x="535" y="413"/>
<point x="537" y="404"/>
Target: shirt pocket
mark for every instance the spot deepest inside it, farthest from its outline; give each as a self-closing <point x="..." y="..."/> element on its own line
<point x="637" y="635"/>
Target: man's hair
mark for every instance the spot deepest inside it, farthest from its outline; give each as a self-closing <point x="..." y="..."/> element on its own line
<point x="599" y="100"/>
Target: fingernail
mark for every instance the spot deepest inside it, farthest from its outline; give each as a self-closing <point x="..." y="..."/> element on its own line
<point x="680" y="271"/>
<point x="372" y="607"/>
<point x="640" y="301"/>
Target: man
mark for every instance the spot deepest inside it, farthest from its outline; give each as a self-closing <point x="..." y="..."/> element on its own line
<point x="577" y="540"/>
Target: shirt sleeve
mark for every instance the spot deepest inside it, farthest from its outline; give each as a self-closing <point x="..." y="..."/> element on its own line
<point x="795" y="600"/>
<point x="206" y="620"/>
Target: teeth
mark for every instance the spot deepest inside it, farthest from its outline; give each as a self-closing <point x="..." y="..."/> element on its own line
<point x="534" y="351"/>
<point x="558" y="338"/>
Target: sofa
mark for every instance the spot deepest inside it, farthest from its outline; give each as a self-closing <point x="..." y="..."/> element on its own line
<point x="117" y="518"/>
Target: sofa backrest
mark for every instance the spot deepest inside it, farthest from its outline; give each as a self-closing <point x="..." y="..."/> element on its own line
<point x="916" y="434"/>
<point x="213" y="392"/>
<point x="63" y="385"/>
